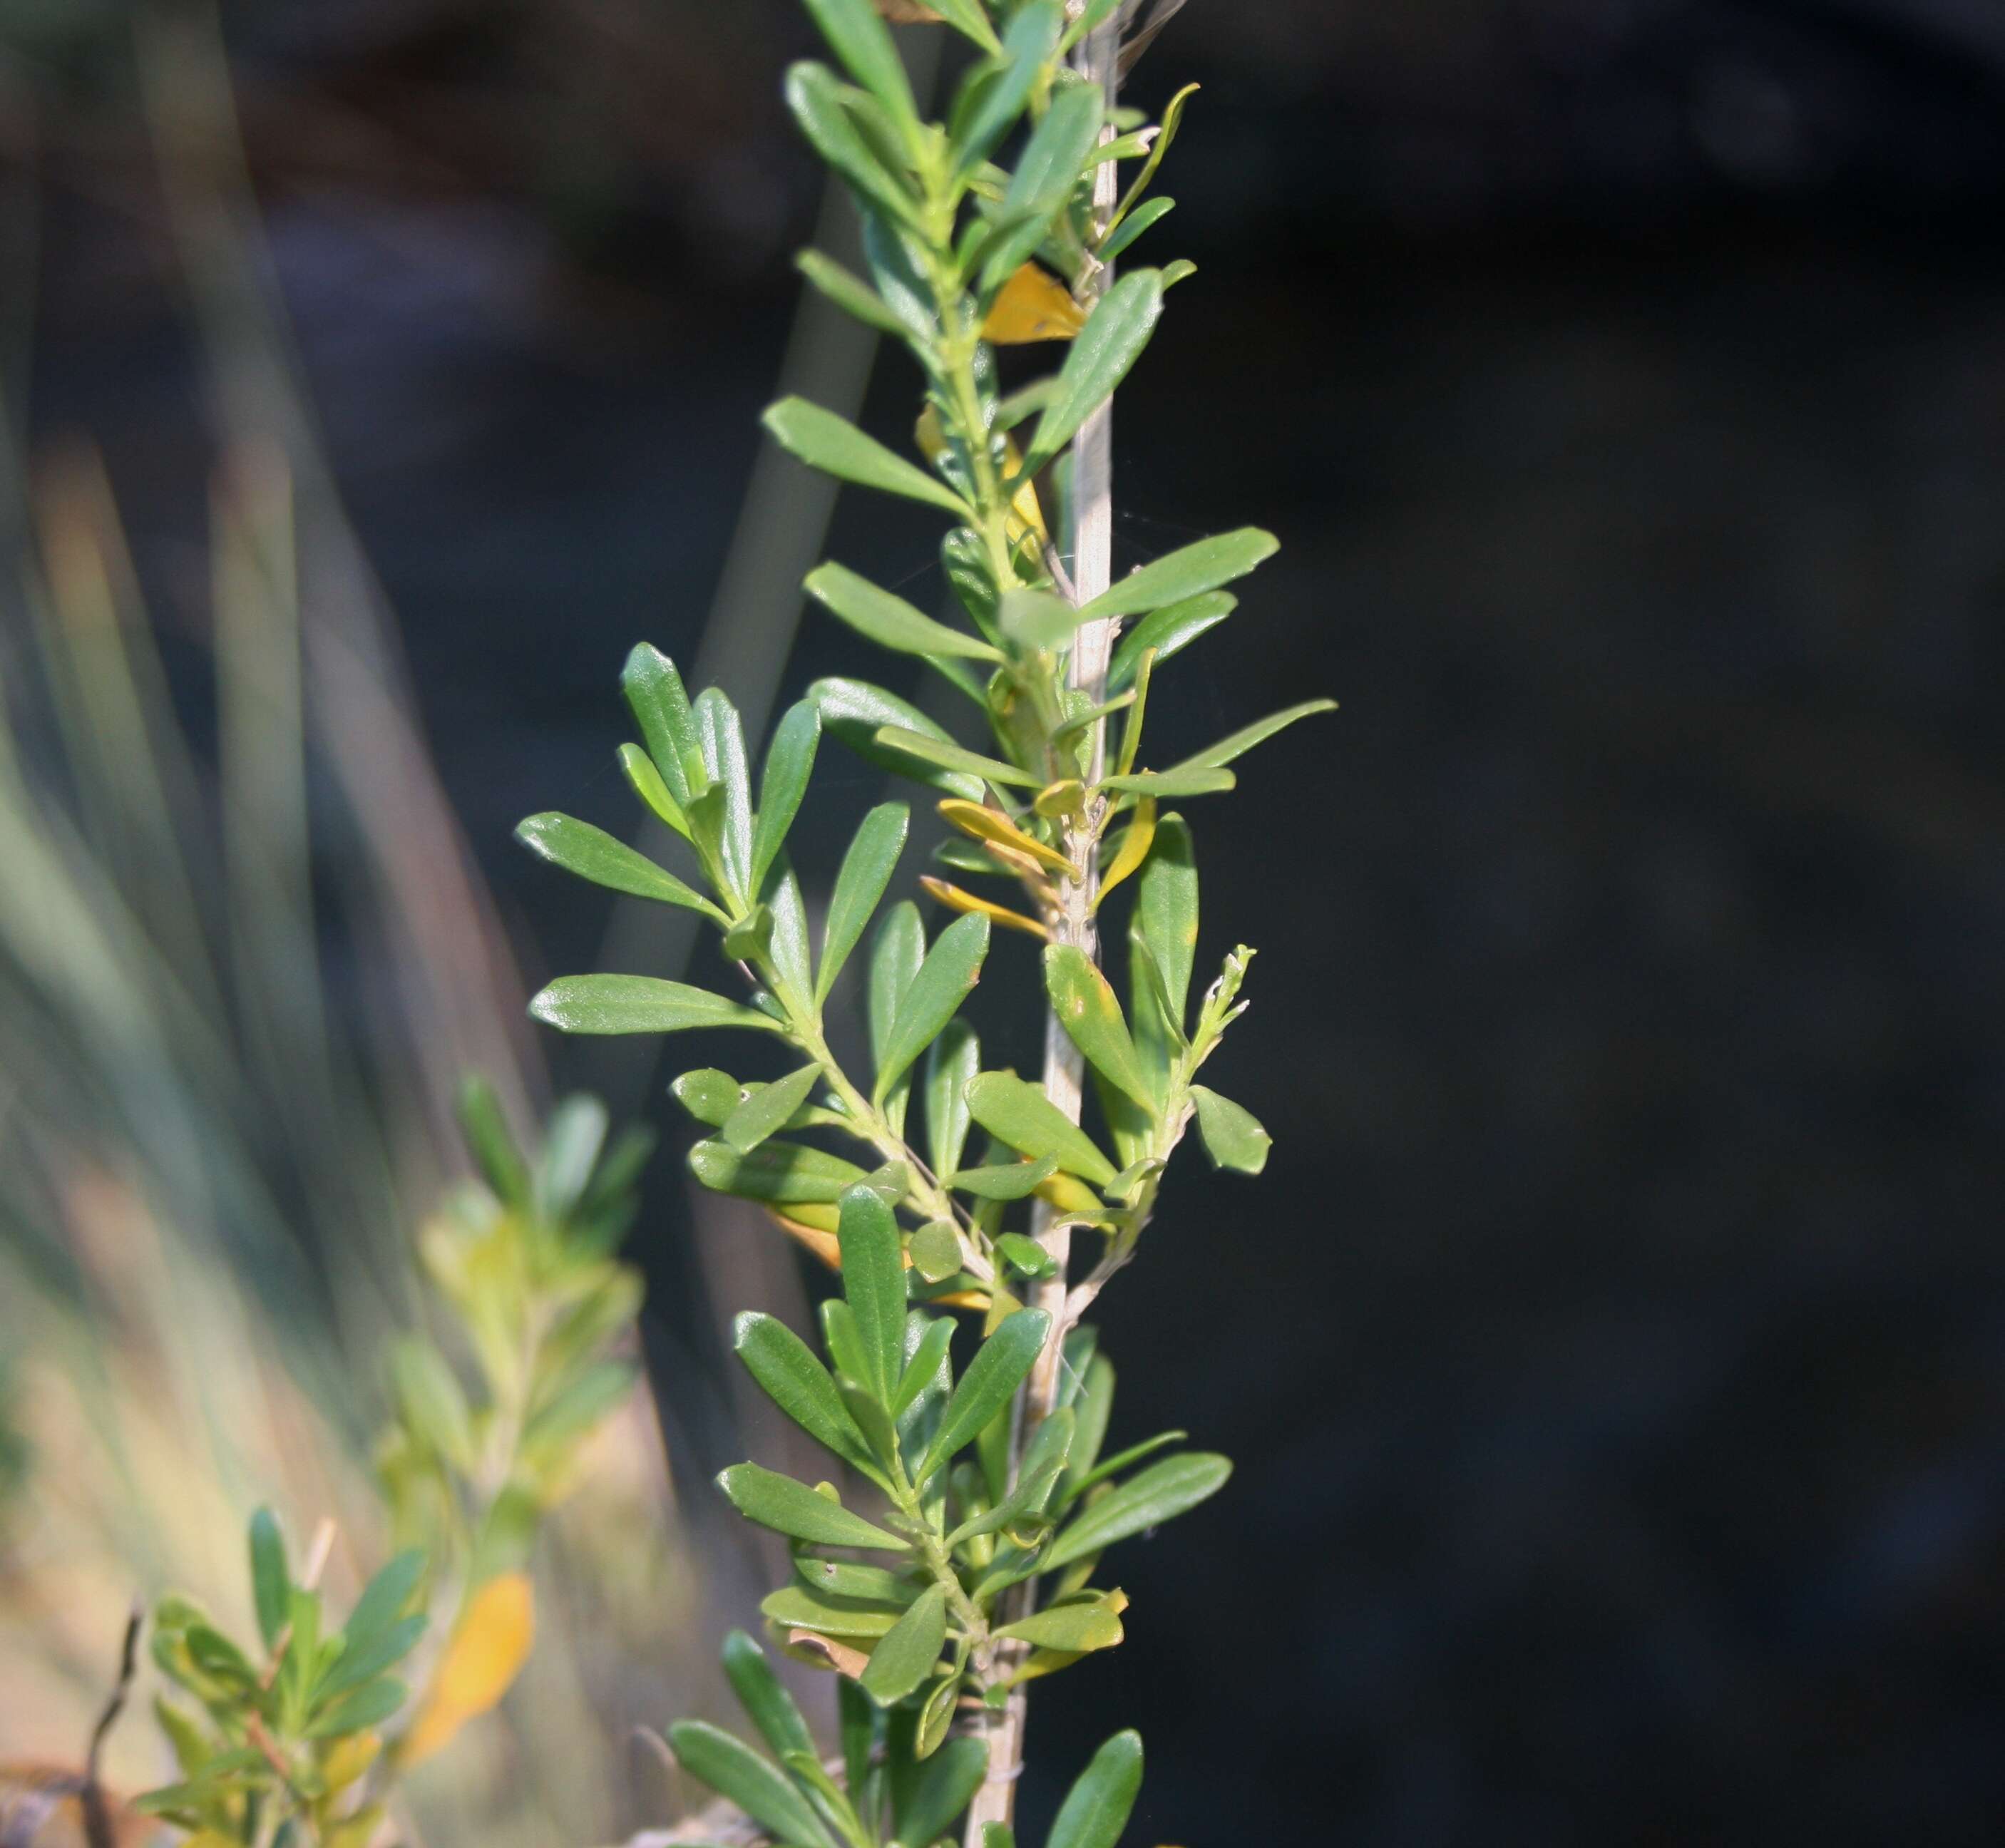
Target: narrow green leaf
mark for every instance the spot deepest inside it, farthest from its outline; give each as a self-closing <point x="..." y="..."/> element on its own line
<point x="831" y="443"/>
<point x="639" y="1004"/>
<point x="945" y="1785"/>
<point x="780" y="1174"/>
<point x="1166" y="908"/>
<point x="951" y="968"/>
<point x="862" y="41"/>
<point x="1233" y="1136"/>
<point x="592" y="853"/>
<point x="1016" y="1111"/>
<point x="922" y="1368"/>
<point x="1097" y="1807"/>
<point x="831" y="1614"/>
<point x="793" y="1508"/>
<point x="787" y="941"/>
<point x="998" y="1834"/>
<point x="723" y="737"/>
<point x="944" y="753"/>
<point x="1101" y="353"/>
<point x="365" y="1658"/>
<point x="878" y="616"/>
<point x="1008" y="1180"/>
<point x="786" y="1366"/>
<point x="645" y="781"/>
<point x="896" y="954"/>
<point x="1000" y="1365"/>
<point x="1202" y="566"/>
<point x="873" y="1285"/>
<point x="817" y="100"/>
<point x="866" y="871"/>
<point x="1149" y="213"/>
<point x="1027" y="47"/>
<point x="849" y="292"/>
<point x="1241" y="741"/>
<point x="1126" y="1459"/>
<point x="1046" y="173"/>
<point x="1162" y="1491"/>
<point x="1077" y="1628"/>
<point x="1169" y="631"/>
<point x="1091" y="1017"/>
<point x="789" y="761"/>
<point x="491" y="1144"/>
<point x="271" y="1585"/>
<point x="367" y="1706"/>
<point x="1033" y="620"/>
<point x="1167" y="785"/>
<point x="769" y="1109"/>
<point x="734" y="1771"/>
<point x="855" y="711"/>
<point x="951" y="1061"/>
<point x="385" y="1598"/>
<point x="769" y="1706"/>
<point x="906" y="1657"/>
<point x="966" y="16"/>
<point x="660" y="707"/>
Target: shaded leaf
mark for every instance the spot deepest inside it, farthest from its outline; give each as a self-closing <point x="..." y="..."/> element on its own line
<point x="951" y="968"/>
<point x="789" y="761"/>
<point x="866" y="871"/>
<point x="906" y="1656"/>
<point x="1098" y="1805"/>
<point x="734" y="1771"/>
<point x="778" y="1173"/>
<point x="1000" y="1365"/>
<point x="1158" y="1494"/>
<point x="796" y="1382"/>
<point x="855" y="710"/>
<point x="769" y="1109"/>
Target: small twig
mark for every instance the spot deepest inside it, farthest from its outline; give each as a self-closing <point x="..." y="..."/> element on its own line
<point x="1060" y="576"/>
<point x="97" y="1829"/>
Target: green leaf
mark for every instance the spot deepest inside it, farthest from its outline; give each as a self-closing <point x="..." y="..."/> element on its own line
<point x="944" y="753"/>
<point x="1162" y="1491"/>
<point x="849" y="292"/>
<point x="797" y="1383"/>
<point x="906" y="1657"/>
<point x="709" y="1095"/>
<point x="367" y="1657"/>
<point x="1026" y="1256"/>
<point x="1016" y="1111"/>
<point x="769" y="1109"/>
<point x="1008" y="1180"/>
<point x="660" y="707"/>
<point x="817" y="98"/>
<point x="793" y="1508"/>
<point x="1124" y="1459"/>
<point x="1150" y="211"/>
<point x="922" y="1368"/>
<point x="491" y="1144"/>
<point x="945" y="1785"/>
<point x="873" y="1285"/>
<point x="271" y="1585"/>
<point x="890" y="621"/>
<point x="367" y="1706"/>
<point x="1097" y="1807"/>
<point x="1185" y="573"/>
<point x="1077" y="1628"/>
<point x="1169" y="631"/>
<point x="571" y="1143"/>
<point x="896" y="955"/>
<point x="789" y="760"/>
<point x="1091" y="1017"/>
<point x="433" y="1403"/>
<point x="781" y="1174"/>
<point x="592" y="853"/>
<point x="831" y="443"/>
<point x="645" y="781"/>
<point x="1000" y="1365"/>
<point x="866" y="871"/>
<point x="855" y="711"/>
<point x="1046" y="173"/>
<point x="1184" y="780"/>
<point x="1033" y="620"/>
<point x="385" y="1598"/>
<point x="1233" y="1136"/>
<point x="769" y="1706"/>
<point x="846" y="1578"/>
<point x="951" y="968"/>
<point x="639" y="1004"/>
<point x="723" y="738"/>
<point x="1166" y="909"/>
<point x="967" y="16"/>
<point x="1111" y="341"/>
<point x="831" y="1614"/>
<point x="998" y="1834"/>
<point x="951" y="1061"/>
<point x="1241" y="741"/>
<point x="734" y="1771"/>
<point x="862" y="41"/>
<point x="1027" y="47"/>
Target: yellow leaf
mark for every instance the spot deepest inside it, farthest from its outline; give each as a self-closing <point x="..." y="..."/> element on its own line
<point x="1065" y="797"/>
<point x="346" y="1760"/>
<point x="1034" y="305"/>
<point x="954" y="898"/>
<point x="824" y="1651"/>
<point x="1026" y="518"/>
<point x="1133" y="850"/>
<point x="487" y="1651"/>
<point x="820" y="1242"/>
<point x="981" y="823"/>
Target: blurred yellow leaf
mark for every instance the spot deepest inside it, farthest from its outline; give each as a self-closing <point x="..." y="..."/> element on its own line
<point x="347" y="1760"/>
<point x="1034" y="305"/>
<point x="487" y="1652"/>
<point x="1026" y="516"/>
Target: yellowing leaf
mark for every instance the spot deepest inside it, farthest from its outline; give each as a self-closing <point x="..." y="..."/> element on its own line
<point x="1026" y="516"/>
<point x="982" y="823"/>
<point x="1034" y="305"/>
<point x="957" y="900"/>
<point x="1133" y="850"/>
<point x="487" y="1651"/>
<point x="347" y="1758"/>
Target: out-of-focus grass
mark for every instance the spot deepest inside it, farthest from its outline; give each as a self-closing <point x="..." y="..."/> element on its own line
<point x="217" y="1140"/>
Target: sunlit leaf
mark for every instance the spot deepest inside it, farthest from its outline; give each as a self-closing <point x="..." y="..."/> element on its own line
<point x="1159" y="1493"/>
<point x="1097" y="1808"/>
<point x="906" y="1656"/>
<point x="1111" y="342"/>
<point x="951" y="968"/>
<point x="1017" y="1112"/>
<point x="855" y="711"/>
<point x="1232" y="1135"/>
<point x="793" y="1508"/>
<point x="1186" y="572"/>
<point x="1034" y="305"/>
<point x="639" y="1004"/>
<point x="823" y="440"/>
<point x="889" y="620"/>
<point x="592" y="854"/>
<point x="1086" y="1008"/>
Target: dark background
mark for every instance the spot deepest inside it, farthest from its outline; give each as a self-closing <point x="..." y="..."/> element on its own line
<point x="1613" y="1354"/>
